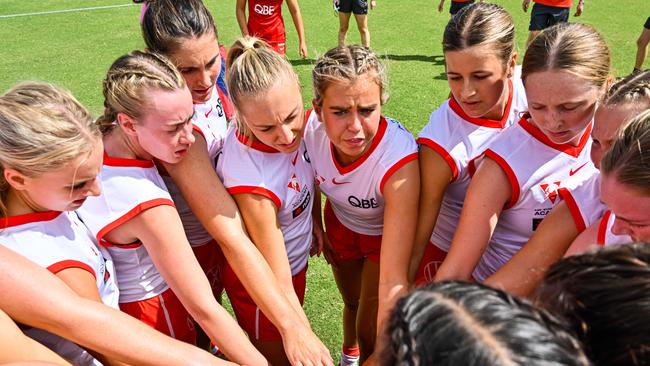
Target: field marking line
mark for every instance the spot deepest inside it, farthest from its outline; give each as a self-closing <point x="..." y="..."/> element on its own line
<point x="66" y="11"/>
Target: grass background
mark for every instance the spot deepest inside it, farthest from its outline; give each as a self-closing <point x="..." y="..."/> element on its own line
<point x="75" y="49"/>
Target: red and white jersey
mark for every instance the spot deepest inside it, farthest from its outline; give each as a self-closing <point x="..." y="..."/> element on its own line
<point x="459" y="138"/>
<point x="129" y="187"/>
<point x="265" y="20"/>
<point x="536" y="168"/>
<point x="210" y="120"/>
<point x="285" y="179"/>
<point x="605" y="235"/>
<point x="582" y="197"/>
<point x="356" y="191"/>
<point x="59" y="241"/>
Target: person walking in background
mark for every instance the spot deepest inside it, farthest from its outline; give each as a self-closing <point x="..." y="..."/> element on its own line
<point x="360" y="9"/>
<point x="642" y="46"/>
<point x="456" y="5"/>
<point x="546" y="13"/>
<point x="265" y="21"/>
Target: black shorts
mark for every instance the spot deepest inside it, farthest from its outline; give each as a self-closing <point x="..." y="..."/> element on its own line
<point x="456" y="6"/>
<point x="544" y="16"/>
<point x="647" y="24"/>
<point x="353" y="6"/>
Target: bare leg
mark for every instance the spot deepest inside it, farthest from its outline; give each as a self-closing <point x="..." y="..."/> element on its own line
<point x="642" y="48"/>
<point x="348" y="277"/>
<point x="362" y="24"/>
<point x="344" y="22"/>
<point x="273" y="351"/>
<point x="367" y="314"/>
<point x="531" y="36"/>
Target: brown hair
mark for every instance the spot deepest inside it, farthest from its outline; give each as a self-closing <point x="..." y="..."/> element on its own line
<point x="481" y="24"/>
<point x="166" y="23"/>
<point x="572" y="47"/>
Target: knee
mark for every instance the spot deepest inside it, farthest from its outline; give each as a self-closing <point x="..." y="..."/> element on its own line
<point x="363" y="28"/>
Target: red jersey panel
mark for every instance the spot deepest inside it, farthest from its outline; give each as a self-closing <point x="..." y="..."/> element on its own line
<point x="265" y="20"/>
<point x="556" y="3"/>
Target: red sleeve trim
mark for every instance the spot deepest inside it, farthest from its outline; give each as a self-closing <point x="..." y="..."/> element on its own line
<point x="256" y="190"/>
<point x="443" y="153"/>
<point x="66" y="264"/>
<point x="123" y="162"/>
<point x="228" y="108"/>
<point x="394" y="168"/>
<point x="512" y="177"/>
<point x="128" y="216"/>
<point x="602" y="228"/>
<point x="198" y="129"/>
<point x="573" y="209"/>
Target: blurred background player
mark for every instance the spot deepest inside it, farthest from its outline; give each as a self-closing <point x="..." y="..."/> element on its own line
<point x="265" y="21"/>
<point x="345" y="9"/>
<point x="642" y="46"/>
<point x="456" y="5"/>
<point x="546" y="13"/>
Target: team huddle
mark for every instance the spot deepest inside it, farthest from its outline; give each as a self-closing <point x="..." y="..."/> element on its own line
<point x="205" y="173"/>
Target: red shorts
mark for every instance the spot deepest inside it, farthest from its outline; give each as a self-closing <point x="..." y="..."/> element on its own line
<point x="166" y="314"/>
<point x="347" y="244"/>
<point x="431" y="261"/>
<point x="211" y="260"/>
<point x="249" y="316"/>
<point x="279" y="47"/>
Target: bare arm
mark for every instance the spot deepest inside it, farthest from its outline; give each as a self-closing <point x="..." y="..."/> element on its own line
<point x="61" y="311"/>
<point x="17" y="347"/>
<point x="435" y="176"/>
<point x="587" y="240"/>
<point x="525" y="4"/>
<point x="261" y="216"/>
<point x="487" y="194"/>
<point x="294" y="9"/>
<point x="160" y="230"/>
<point x="240" y="12"/>
<point x="522" y="274"/>
<point x="401" y="193"/>
<point x="441" y="6"/>
<point x="218" y="213"/>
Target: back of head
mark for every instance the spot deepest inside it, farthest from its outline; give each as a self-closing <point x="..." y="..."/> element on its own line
<point x="42" y="128"/>
<point x="571" y="47"/>
<point x="166" y="23"/>
<point x="345" y="64"/>
<point x="628" y="159"/>
<point x="456" y="323"/>
<point x="128" y="80"/>
<point x="481" y="24"/>
<point x="253" y="67"/>
<point x="605" y="296"/>
<point x="634" y="88"/>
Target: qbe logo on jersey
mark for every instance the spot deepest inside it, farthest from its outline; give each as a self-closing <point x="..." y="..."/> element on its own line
<point x="264" y="9"/>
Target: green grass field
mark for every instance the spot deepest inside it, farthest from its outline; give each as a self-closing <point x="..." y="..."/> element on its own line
<point x="74" y="49"/>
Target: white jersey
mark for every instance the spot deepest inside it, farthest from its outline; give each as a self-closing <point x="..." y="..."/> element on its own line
<point x="605" y="235"/>
<point x="536" y="168"/>
<point x="356" y="191"/>
<point x="129" y="187"/>
<point x="459" y="138"/>
<point x="285" y="179"/>
<point x="582" y="197"/>
<point x="210" y="121"/>
<point x="59" y="241"/>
